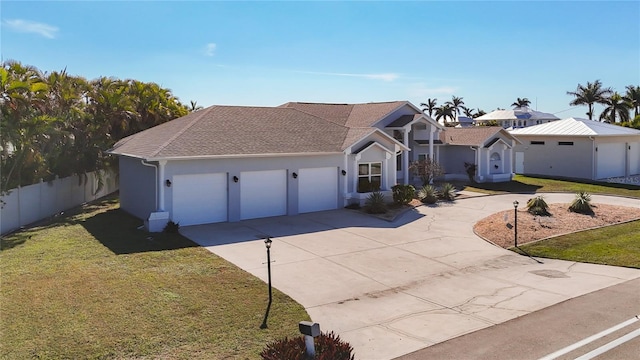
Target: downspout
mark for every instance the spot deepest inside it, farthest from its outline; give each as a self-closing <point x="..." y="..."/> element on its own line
<point x="345" y="179"/>
<point x="593" y="157"/>
<point x="156" y="182"/>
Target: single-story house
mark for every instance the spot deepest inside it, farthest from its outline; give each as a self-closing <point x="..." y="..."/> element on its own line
<point x="577" y="148"/>
<point x="518" y="117"/>
<point x="231" y="163"/>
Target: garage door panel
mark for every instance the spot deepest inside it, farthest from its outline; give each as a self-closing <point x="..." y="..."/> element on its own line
<point x="263" y="194"/>
<point x="611" y="160"/>
<point x="199" y="198"/>
<point x="317" y="189"/>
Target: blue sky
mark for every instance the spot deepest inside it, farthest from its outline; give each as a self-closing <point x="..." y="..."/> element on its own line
<point x="268" y="53"/>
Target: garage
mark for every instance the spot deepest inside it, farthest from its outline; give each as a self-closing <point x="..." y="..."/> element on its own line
<point x="317" y="189"/>
<point x="199" y="198"/>
<point x="263" y="194"/>
<point x="611" y="160"/>
<point x="634" y="158"/>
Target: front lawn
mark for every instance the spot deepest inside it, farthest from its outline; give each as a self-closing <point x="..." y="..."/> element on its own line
<point x="529" y="184"/>
<point x="91" y="285"/>
<point x="617" y="245"/>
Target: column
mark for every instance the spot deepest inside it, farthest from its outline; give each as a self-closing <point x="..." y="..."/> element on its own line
<point x="405" y="158"/>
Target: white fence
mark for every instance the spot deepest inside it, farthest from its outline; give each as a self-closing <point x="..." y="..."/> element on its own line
<point x="28" y="204"/>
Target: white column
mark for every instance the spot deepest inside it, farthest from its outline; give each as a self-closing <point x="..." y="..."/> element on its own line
<point x="405" y="158"/>
<point x="431" y="134"/>
<point x="478" y="166"/>
<point x="161" y="185"/>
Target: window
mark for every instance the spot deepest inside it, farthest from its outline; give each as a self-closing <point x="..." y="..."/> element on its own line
<point x="495" y="157"/>
<point x="397" y="134"/>
<point x="569" y="143"/>
<point x="369" y="177"/>
<point x="422" y="157"/>
<point x="420" y="126"/>
<point x="537" y="143"/>
<point x="399" y="162"/>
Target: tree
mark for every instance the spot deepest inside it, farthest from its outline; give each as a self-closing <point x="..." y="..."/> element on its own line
<point x="633" y="98"/>
<point x="592" y="93"/>
<point x="426" y="169"/>
<point x="444" y="112"/>
<point x="479" y="113"/>
<point x="467" y="112"/>
<point x="456" y="104"/>
<point x="615" y="105"/>
<point x="193" y="106"/>
<point x="429" y="106"/>
<point x="520" y="103"/>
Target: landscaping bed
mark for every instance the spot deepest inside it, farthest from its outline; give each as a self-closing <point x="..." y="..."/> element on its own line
<point x="498" y="228"/>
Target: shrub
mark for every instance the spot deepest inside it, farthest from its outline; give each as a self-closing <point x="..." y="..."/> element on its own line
<point x="428" y="194"/>
<point x="403" y="194"/>
<point x="447" y="192"/>
<point x="471" y="171"/>
<point x="328" y="347"/>
<point x="537" y="206"/>
<point x="582" y="203"/>
<point x="375" y="203"/>
<point x="426" y="169"/>
<point x="171" y="227"/>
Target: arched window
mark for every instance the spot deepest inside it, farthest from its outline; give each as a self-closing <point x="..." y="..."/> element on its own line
<point x="495" y="157"/>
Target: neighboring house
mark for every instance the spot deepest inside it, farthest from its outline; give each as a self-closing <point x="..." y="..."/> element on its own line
<point x="578" y="148"/>
<point x="516" y="118"/>
<point x="465" y="121"/>
<point x="231" y="163"/>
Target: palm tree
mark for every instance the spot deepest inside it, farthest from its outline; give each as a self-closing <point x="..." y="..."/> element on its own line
<point x="193" y="106"/>
<point x="455" y="103"/>
<point x="467" y="111"/>
<point x="591" y="94"/>
<point x="633" y="97"/>
<point x="520" y="103"/>
<point x="445" y="112"/>
<point x="615" y="105"/>
<point x="479" y="113"/>
<point x="429" y="106"/>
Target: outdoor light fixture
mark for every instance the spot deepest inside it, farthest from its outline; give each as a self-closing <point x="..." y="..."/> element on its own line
<point x="267" y="244"/>
<point x="515" y="222"/>
<point x="168" y="183"/>
<point x="295" y="175"/>
<point x="235" y="179"/>
<point x="344" y="173"/>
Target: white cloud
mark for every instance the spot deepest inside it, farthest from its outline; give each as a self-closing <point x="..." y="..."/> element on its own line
<point x="382" y="76"/>
<point x="210" y="49"/>
<point x="27" y="26"/>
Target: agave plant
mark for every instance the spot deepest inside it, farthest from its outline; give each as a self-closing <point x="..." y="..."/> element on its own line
<point x="582" y="203"/>
<point x="376" y="203"/>
<point x="538" y="206"/>
<point x="428" y="194"/>
<point x="447" y="192"/>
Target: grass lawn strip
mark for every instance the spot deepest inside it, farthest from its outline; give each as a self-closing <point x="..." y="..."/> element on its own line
<point x="617" y="245"/>
<point x="528" y="184"/>
<point x="90" y="285"/>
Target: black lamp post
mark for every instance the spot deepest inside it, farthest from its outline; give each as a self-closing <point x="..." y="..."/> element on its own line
<point x="267" y="243"/>
<point x="515" y="225"/>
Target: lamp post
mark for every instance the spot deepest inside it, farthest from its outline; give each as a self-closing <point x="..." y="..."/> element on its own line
<point x="267" y="243"/>
<point x="515" y="225"/>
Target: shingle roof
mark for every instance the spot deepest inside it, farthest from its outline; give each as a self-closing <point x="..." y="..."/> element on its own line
<point x="576" y="127"/>
<point x="403" y="120"/>
<point x="516" y="114"/>
<point x="350" y="115"/>
<point x="225" y="130"/>
<point x="473" y="136"/>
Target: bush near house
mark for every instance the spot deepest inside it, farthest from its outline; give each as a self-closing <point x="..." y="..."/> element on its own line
<point x="447" y="192"/>
<point x="582" y="203"/>
<point x="375" y="203"/>
<point x="328" y="346"/>
<point x="427" y="170"/>
<point x="538" y="206"/>
<point x="403" y="194"/>
<point x="428" y="194"/>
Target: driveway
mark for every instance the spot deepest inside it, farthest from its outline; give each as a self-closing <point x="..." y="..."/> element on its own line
<point x="390" y="288"/>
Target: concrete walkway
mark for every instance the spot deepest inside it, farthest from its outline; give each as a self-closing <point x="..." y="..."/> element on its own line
<point x="393" y="288"/>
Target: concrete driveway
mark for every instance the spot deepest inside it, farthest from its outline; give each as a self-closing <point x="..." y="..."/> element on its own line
<point x="390" y="288"/>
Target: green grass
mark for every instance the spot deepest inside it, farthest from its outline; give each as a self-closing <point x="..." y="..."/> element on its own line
<point x="617" y="245"/>
<point x="529" y="184"/>
<point x="90" y="285"/>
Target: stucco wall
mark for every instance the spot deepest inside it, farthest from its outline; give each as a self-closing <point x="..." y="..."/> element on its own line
<point x="552" y="159"/>
<point x="452" y="158"/>
<point x="137" y="187"/>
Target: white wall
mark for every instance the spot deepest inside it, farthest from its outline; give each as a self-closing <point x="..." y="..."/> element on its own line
<point x="28" y="204"/>
<point x="137" y="187"/>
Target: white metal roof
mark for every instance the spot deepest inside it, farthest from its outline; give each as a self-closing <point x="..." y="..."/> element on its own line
<point x="576" y="127"/>
<point x="522" y="113"/>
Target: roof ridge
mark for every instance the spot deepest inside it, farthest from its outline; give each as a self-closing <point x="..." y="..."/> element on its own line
<point x="182" y="131"/>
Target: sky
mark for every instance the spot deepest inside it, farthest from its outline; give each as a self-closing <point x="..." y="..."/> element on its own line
<point x="266" y="53"/>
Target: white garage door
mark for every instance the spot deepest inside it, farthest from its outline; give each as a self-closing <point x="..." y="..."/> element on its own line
<point x="317" y="189"/>
<point x="263" y="194"/>
<point x="611" y="160"/>
<point x="199" y="198"/>
<point x="634" y="158"/>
